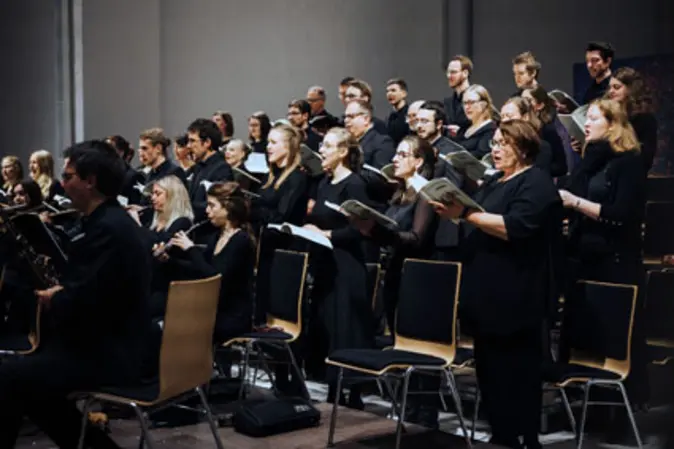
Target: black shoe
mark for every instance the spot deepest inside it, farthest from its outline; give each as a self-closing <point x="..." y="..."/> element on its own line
<point x="332" y="393"/>
<point x="355" y="402"/>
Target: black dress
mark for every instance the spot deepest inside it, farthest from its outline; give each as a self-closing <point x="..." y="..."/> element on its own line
<point x="235" y="263"/>
<point x="503" y="300"/>
<point x="288" y="204"/>
<point x="646" y="128"/>
<point x="339" y="302"/>
<point x="414" y="238"/>
<point x="478" y="142"/>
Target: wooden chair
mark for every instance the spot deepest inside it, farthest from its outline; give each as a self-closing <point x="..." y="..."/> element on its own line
<point x="284" y="318"/>
<point x="425" y="336"/>
<point x="185" y="360"/>
<point x="598" y="332"/>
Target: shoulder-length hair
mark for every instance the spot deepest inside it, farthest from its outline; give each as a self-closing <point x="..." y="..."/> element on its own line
<point x="420" y="149"/>
<point x="620" y="134"/>
<point x="638" y="98"/>
<point x="177" y="202"/>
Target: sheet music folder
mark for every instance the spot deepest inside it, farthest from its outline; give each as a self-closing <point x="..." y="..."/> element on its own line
<point x="40" y="238"/>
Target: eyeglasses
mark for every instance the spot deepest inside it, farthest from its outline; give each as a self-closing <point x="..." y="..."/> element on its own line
<point x="493" y="143"/>
<point x="67" y="176"/>
<point x="353" y="116"/>
<point x="471" y="102"/>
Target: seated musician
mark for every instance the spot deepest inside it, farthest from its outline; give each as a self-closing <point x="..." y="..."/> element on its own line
<point x="97" y="313"/>
<point x="41" y="165"/>
<point x="28" y="193"/>
<point x="12" y="173"/>
<point x="230" y="253"/>
<point x="172" y="213"/>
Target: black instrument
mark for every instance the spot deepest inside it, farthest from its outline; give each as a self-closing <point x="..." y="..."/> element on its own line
<point x="163" y="249"/>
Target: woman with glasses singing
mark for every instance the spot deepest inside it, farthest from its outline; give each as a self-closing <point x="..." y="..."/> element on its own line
<point x="479" y="108"/>
<point x="506" y="281"/>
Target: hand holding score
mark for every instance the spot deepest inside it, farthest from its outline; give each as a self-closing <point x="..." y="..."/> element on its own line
<point x="452" y="210"/>
<point x="364" y="226"/>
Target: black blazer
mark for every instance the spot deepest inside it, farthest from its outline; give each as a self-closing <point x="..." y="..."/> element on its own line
<point x="213" y="169"/>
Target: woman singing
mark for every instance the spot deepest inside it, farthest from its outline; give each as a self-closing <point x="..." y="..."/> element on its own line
<point x="505" y="285"/>
<point x="340" y="306"/>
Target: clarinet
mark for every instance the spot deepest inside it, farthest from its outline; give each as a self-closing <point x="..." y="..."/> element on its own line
<point x="163" y="249"/>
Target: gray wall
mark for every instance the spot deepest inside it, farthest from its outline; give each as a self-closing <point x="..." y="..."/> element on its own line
<point x="29" y="79"/>
<point x="165" y="62"/>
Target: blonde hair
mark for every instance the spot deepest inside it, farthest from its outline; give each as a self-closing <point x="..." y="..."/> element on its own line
<point x="45" y="175"/>
<point x="293" y="138"/>
<point x="16" y="163"/>
<point x="354" y="157"/>
<point x="177" y="202"/>
<point x="620" y="134"/>
<point x="483" y="95"/>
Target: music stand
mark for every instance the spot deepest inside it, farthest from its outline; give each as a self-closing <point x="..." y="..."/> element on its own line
<point x="40" y="238"/>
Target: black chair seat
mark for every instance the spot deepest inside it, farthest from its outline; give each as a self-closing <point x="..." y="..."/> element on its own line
<point x="272" y="334"/>
<point x="376" y="360"/>
<point x="463" y="356"/>
<point x="15" y="343"/>
<point x="558" y="373"/>
<point x="383" y="341"/>
<point x="147" y="392"/>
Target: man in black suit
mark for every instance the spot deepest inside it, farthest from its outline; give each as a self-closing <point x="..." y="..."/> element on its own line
<point x="298" y="116"/>
<point x="458" y="77"/>
<point x="598" y="59"/>
<point x="97" y="316"/>
<point x="360" y="90"/>
<point x="430" y="121"/>
<point x="396" y="122"/>
<point x="152" y="151"/>
<point x="203" y="140"/>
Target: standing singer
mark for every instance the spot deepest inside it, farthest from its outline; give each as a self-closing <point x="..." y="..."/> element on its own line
<point x="97" y="314"/>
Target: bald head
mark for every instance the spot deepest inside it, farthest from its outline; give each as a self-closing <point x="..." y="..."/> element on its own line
<point x="412" y="112"/>
<point x="316" y="99"/>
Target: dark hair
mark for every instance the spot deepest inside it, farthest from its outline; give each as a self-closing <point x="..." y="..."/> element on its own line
<point x="233" y="200"/>
<point x="303" y="106"/>
<point x="122" y="145"/>
<point x="420" y="149"/>
<point x="99" y="159"/>
<point x="181" y="140"/>
<point x="346" y="80"/>
<point x="639" y="98"/>
<point x="523" y="137"/>
<point x="548" y="113"/>
<point x="526" y="108"/>
<point x="207" y="129"/>
<point x="265" y="125"/>
<point x="399" y="81"/>
<point x="32" y="190"/>
<point x="229" y="122"/>
<point x="438" y="110"/>
<point x="605" y="49"/>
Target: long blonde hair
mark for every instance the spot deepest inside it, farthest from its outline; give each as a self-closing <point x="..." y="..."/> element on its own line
<point x="293" y="138"/>
<point x="45" y="176"/>
<point x="620" y="133"/>
<point x="177" y="202"/>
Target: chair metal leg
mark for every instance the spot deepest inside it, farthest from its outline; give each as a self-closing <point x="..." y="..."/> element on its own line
<point x="244" y="376"/>
<point x="583" y="415"/>
<point x="476" y="410"/>
<point x="333" y="417"/>
<point x="85" y="421"/>
<point x="628" y="406"/>
<point x="209" y="417"/>
<point x="298" y="371"/>
<point x="569" y="412"/>
<point x="145" y="429"/>
<point x="406" y="384"/>
<point x="451" y="382"/>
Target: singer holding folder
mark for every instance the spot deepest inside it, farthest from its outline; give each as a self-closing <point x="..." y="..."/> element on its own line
<point x="340" y="309"/>
<point x="507" y="282"/>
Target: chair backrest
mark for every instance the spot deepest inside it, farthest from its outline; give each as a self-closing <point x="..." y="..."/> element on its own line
<point x="659" y="308"/>
<point x="427" y="308"/>
<point x="373" y="279"/>
<point x="186" y="357"/>
<point x="660" y="188"/>
<point x="658" y="235"/>
<point x="286" y="290"/>
<point x="598" y="325"/>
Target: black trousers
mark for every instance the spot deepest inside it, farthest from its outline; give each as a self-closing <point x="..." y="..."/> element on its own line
<point x="37" y="387"/>
<point x="510" y="381"/>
